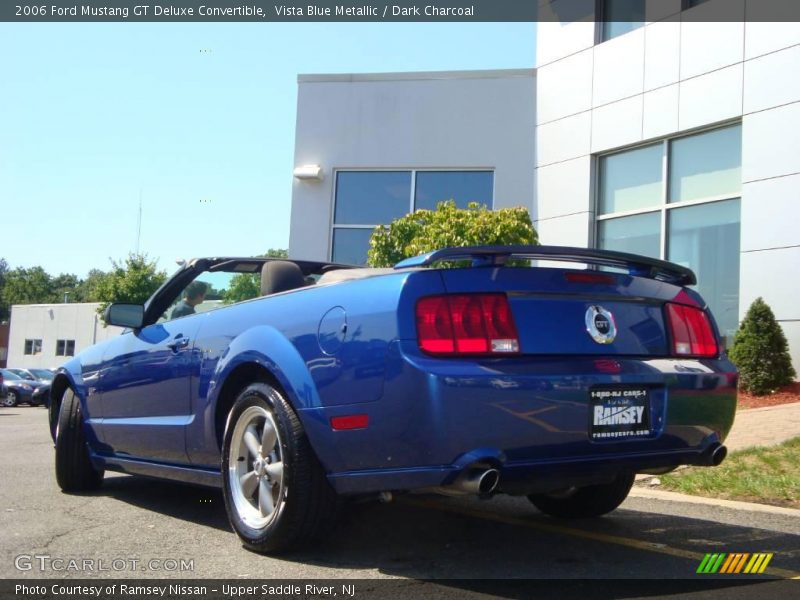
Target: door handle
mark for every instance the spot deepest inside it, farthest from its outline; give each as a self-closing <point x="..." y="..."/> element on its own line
<point x="178" y="344"/>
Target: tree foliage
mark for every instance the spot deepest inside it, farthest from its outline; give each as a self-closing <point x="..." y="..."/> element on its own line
<point x="133" y="280"/>
<point x="760" y="351"/>
<point x="27" y="286"/>
<point x="448" y="226"/>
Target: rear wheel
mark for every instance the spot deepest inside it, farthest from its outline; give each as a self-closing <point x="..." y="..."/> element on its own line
<point x="589" y="501"/>
<point x="74" y="470"/>
<point x="276" y="493"/>
<point x="11" y="399"/>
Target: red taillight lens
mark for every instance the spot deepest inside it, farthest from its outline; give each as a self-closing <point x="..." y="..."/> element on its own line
<point x="691" y="331"/>
<point x="466" y="324"/>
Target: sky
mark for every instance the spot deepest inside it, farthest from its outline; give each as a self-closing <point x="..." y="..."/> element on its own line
<point x="196" y="119"/>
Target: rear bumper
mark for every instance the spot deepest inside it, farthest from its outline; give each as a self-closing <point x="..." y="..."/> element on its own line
<point x="528" y="417"/>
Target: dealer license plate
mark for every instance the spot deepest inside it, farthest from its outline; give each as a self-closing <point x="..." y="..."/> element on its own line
<point x="619" y="413"/>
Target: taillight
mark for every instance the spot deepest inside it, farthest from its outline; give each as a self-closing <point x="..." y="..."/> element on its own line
<point x="466" y="324"/>
<point x="691" y="331"/>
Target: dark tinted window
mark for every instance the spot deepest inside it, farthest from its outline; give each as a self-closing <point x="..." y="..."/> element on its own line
<point x="464" y="187"/>
<point x="371" y="197"/>
<point x="350" y="246"/>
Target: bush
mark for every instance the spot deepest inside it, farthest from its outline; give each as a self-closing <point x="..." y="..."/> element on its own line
<point x="760" y="351"/>
<point x="427" y="230"/>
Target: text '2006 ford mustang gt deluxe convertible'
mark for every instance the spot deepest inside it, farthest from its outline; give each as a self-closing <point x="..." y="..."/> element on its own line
<point x="466" y="370"/>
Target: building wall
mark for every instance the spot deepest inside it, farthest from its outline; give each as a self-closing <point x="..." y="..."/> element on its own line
<point x="464" y="120"/>
<point x="669" y="77"/>
<point x="49" y="323"/>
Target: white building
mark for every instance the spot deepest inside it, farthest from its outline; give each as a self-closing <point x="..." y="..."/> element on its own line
<point x="679" y="139"/>
<point x="387" y="144"/>
<point x="47" y="335"/>
<point x="673" y="138"/>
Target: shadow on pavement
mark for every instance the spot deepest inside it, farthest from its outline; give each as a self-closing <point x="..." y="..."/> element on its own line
<point x="427" y="538"/>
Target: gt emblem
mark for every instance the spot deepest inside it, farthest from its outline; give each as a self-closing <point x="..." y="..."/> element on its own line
<point x="600" y="325"/>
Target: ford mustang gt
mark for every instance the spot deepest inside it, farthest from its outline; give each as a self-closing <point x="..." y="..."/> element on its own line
<point x="479" y="370"/>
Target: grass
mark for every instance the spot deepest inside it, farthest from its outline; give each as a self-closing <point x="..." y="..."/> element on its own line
<point x="768" y="475"/>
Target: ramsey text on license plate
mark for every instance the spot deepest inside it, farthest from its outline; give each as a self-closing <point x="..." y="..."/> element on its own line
<point x="619" y="413"/>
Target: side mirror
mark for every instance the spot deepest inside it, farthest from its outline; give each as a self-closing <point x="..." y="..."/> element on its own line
<point x="125" y="315"/>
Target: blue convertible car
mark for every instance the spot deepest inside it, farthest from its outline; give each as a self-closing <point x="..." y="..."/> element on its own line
<point x="466" y="370"/>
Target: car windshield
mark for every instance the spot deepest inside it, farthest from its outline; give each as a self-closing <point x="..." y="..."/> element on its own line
<point x="23" y="374"/>
<point x="9" y="374"/>
<point x="43" y="374"/>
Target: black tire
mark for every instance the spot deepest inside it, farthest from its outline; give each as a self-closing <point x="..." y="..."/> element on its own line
<point x="74" y="470"/>
<point x="11" y="399"/>
<point x="589" y="501"/>
<point x="305" y="508"/>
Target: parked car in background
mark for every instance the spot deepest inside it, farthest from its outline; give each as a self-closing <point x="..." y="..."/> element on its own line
<point x="43" y="375"/>
<point x="463" y="371"/>
<point x="24" y="391"/>
<point x="3" y="391"/>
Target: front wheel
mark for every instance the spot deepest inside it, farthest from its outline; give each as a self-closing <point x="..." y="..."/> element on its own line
<point x="74" y="469"/>
<point x="589" y="501"/>
<point x="276" y="494"/>
<point x="11" y="399"/>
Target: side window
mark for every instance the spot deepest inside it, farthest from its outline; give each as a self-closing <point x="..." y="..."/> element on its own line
<point x="190" y="301"/>
<point x="212" y="290"/>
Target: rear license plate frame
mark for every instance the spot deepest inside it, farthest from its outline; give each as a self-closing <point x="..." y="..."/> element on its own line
<point x="618" y="413"/>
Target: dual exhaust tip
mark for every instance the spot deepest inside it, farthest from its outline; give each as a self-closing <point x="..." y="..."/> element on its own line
<point x="478" y="480"/>
<point x="713" y="456"/>
<point x="482" y="481"/>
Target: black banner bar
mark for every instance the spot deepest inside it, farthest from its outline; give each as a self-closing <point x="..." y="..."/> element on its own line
<point x="729" y="588"/>
<point x="279" y="11"/>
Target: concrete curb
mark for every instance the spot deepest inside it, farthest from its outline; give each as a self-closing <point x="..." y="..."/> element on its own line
<point x="638" y="492"/>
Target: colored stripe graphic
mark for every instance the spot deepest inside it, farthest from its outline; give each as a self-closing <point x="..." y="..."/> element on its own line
<point x="767" y="558"/>
<point x="732" y="564"/>
<point x="711" y="563"/>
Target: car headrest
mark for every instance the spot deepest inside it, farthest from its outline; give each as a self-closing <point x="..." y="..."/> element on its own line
<point x="280" y="276"/>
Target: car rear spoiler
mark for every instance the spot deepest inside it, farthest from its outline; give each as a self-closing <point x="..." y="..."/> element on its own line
<point x="639" y="266"/>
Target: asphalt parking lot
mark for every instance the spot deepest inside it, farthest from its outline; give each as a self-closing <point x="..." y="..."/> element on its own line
<point x="139" y="520"/>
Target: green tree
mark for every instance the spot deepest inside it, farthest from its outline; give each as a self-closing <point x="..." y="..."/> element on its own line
<point x="133" y="280"/>
<point x="27" y="286"/>
<point x="244" y="286"/>
<point x="760" y="351"/>
<point x="448" y="226"/>
<point x="89" y="288"/>
<point x="66" y="283"/>
<point x="275" y="253"/>
<point x="4" y="308"/>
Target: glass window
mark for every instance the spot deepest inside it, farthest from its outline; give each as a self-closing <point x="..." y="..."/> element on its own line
<point x="33" y="346"/>
<point x="631" y="180"/>
<point x="350" y="246"/>
<point x="639" y="234"/>
<point x="706" y="239"/>
<point x="706" y="165"/>
<point x="371" y="197"/>
<point x="65" y="347"/>
<point x="464" y="187"/>
<point x="621" y="16"/>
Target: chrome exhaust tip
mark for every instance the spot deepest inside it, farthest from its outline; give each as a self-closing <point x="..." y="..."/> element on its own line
<point x="718" y="455"/>
<point x="713" y="456"/>
<point x="487" y="482"/>
<point x="480" y="481"/>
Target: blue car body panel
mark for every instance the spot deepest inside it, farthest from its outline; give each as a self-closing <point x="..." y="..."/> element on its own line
<point x="151" y="397"/>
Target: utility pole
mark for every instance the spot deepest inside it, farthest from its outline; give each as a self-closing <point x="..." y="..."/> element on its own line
<point x="139" y="223"/>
